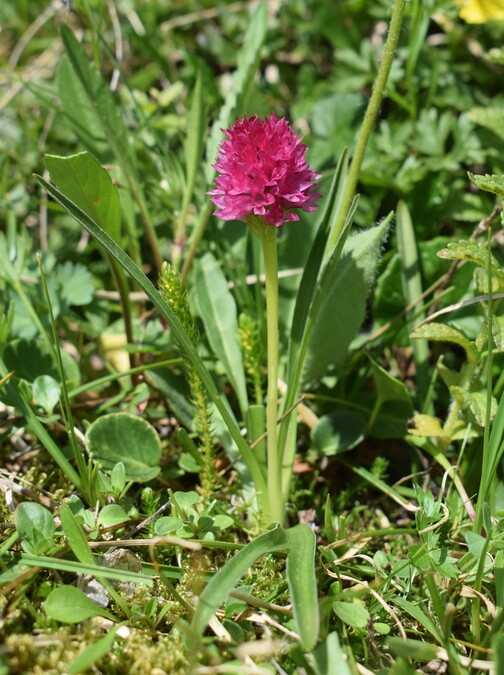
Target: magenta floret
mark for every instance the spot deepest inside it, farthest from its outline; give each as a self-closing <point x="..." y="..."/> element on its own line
<point x="263" y="172"/>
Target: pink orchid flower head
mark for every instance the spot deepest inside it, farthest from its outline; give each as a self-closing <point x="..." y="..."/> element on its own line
<point x="263" y="172"/>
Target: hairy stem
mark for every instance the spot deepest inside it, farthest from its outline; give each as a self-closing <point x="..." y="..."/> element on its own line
<point x="369" y="119"/>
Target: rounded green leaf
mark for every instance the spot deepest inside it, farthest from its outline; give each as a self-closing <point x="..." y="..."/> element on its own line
<point x="69" y="604"/>
<point x="351" y="613"/>
<point x="121" y="437"/>
<point x="46" y="392"/>
<point x="35" y="526"/>
<point x="112" y="514"/>
<point x="167" y="525"/>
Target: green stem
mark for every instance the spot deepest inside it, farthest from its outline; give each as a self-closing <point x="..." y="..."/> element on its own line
<point x="369" y="120"/>
<point x="275" y="498"/>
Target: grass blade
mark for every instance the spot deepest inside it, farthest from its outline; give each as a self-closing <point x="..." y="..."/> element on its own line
<point x="412" y="289"/>
<point x="299" y="542"/>
<point x="217" y="308"/>
<point x="222" y="584"/>
<point x="303" y="583"/>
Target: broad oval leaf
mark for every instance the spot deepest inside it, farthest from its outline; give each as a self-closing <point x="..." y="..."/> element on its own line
<point x="83" y="180"/>
<point x="69" y="604"/>
<point x="351" y="613"/>
<point x="35" y="526"/>
<point x="121" y="437"/>
<point x="46" y="392"/>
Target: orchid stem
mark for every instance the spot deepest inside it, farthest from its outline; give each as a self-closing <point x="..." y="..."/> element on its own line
<point x="369" y="120"/>
<point x="275" y="498"/>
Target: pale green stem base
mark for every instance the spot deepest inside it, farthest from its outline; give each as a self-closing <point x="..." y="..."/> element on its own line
<point x="275" y="498"/>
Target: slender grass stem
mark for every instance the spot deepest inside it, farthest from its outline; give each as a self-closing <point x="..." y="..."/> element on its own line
<point x="369" y="120"/>
<point x="275" y="499"/>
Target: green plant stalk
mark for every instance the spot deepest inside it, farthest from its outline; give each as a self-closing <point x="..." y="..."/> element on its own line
<point x="66" y="408"/>
<point x="485" y="477"/>
<point x="476" y="602"/>
<point x="275" y="497"/>
<point x="369" y="120"/>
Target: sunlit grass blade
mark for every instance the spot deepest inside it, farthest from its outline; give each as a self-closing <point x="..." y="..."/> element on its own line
<point x="412" y="289"/>
<point x="178" y="331"/>
<point x="303" y="583"/>
<point x="492" y="456"/>
<point x="299" y="542"/>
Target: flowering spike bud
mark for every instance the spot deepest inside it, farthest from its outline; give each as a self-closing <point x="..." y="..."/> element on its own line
<point x="263" y="173"/>
<point x="174" y="292"/>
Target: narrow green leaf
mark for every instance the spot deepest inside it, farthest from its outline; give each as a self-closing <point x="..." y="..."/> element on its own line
<point x="221" y="585"/>
<point x="83" y="180"/>
<point x="329" y="658"/>
<point x="96" y="651"/>
<point x="412" y="288"/>
<point x="217" y="308"/>
<point x="306" y="292"/>
<point x="75" y="536"/>
<point x="299" y="542"/>
<point x="311" y="272"/>
<point x="193" y="146"/>
<point x="178" y="331"/>
<point x="99" y="96"/>
<point x="79" y="111"/>
<point x="235" y="103"/>
<point x="74" y="567"/>
<point x="302" y="583"/>
<point x="491" y="459"/>
<point x="419" y="615"/>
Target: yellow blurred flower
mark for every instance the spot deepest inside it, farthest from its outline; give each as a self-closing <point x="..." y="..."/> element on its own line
<point x="481" y="11"/>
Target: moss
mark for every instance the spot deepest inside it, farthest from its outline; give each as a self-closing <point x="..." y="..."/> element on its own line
<point x="140" y="654"/>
